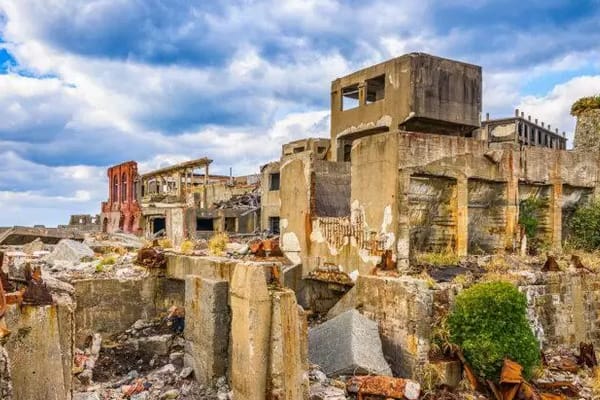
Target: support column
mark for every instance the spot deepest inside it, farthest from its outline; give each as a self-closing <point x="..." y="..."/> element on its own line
<point x="462" y="216"/>
<point x="206" y="328"/>
<point x="205" y="196"/>
<point x="556" y="214"/>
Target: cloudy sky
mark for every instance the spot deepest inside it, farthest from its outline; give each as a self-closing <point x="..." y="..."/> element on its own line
<point x="89" y="83"/>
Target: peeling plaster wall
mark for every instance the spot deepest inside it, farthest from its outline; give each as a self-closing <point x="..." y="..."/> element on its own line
<point x="270" y="200"/>
<point x="487" y="216"/>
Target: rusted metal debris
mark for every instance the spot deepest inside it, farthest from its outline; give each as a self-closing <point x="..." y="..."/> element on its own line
<point x="331" y="273"/>
<point x="151" y="257"/>
<point x="551" y="265"/>
<point x="512" y="385"/>
<point x="587" y="355"/>
<point x="36" y="293"/>
<point x="387" y="262"/>
<point x="266" y="248"/>
<point x="384" y="386"/>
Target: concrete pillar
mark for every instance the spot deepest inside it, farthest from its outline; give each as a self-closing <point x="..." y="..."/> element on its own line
<point x="403" y="245"/>
<point x="462" y="216"/>
<point x="207" y="323"/>
<point x="556" y="214"/>
<point x="287" y="379"/>
<point x="251" y="331"/>
<point x="512" y="200"/>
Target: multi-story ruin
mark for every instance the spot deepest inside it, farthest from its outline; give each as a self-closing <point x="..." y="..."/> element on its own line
<point x="521" y="131"/>
<point x="122" y="210"/>
<point x="185" y="201"/>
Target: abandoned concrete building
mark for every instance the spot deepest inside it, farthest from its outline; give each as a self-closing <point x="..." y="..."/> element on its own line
<point x="409" y="169"/>
<point x="122" y="210"/>
<point x="186" y="201"/>
<point x="522" y="131"/>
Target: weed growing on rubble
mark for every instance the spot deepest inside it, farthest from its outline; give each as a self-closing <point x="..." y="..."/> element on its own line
<point x="584" y="232"/>
<point x="438" y="259"/>
<point x="217" y="244"/>
<point x="187" y="247"/>
<point x="489" y="323"/>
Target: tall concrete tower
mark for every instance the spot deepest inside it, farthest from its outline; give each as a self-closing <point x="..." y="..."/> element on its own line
<point x="587" y="131"/>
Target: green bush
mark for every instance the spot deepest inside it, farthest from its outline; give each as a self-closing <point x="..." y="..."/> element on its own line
<point x="489" y="323"/>
<point x="584" y="104"/>
<point x="584" y="228"/>
<point x="530" y="211"/>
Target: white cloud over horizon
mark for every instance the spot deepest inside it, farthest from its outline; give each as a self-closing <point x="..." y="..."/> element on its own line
<point x="85" y="85"/>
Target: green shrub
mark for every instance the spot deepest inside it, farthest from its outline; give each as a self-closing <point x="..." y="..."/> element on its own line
<point x="584" y="104"/>
<point x="489" y="323"/>
<point x="530" y="211"/>
<point x="584" y="228"/>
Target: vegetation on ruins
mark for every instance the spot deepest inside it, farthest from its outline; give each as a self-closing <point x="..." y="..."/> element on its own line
<point x="584" y="227"/>
<point x="585" y="104"/>
<point x="217" y="244"/>
<point x="440" y="259"/>
<point x="489" y="323"/>
<point x="529" y="219"/>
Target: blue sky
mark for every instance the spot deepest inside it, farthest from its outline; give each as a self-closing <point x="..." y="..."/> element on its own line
<point x="87" y="84"/>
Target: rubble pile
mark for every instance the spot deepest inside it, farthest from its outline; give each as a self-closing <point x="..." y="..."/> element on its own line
<point x="249" y="201"/>
<point x="144" y="362"/>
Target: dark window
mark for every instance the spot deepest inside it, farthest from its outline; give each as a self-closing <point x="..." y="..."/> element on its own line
<point x="274" y="225"/>
<point x="274" y="181"/>
<point x="158" y="224"/>
<point x="532" y="137"/>
<point x="298" y="149"/>
<point x="375" y="89"/>
<point x="204" y="224"/>
<point x="539" y="137"/>
<point x="124" y="188"/>
<point x="347" y="152"/>
<point x="321" y="149"/>
<point x="115" y="196"/>
<point x="546" y="140"/>
<point x="520" y="128"/>
<point x="350" y="97"/>
<point x="229" y="224"/>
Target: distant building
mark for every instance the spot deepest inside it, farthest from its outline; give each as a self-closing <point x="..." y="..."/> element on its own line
<point x="122" y="210"/>
<point x="522" y="131"/>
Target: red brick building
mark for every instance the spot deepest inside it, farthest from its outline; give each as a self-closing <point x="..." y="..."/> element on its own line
<point x="122" y="211"/>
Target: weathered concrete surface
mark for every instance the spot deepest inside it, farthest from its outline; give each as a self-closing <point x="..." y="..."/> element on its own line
<point x="346" y="303"/>
<point x="6" y="390"/>
<point x="109" y="306"/>
<point x="40" y="362"/>
<point x="587" y="131"/>
<point x="268" y="332"/>
<point x="403" y="309"/>
<point x="207" y="328"/>
<point x="348" y="344"/>
<point x="70" y="250"/>
<point x="251" y="330"/>
<point x="217" y="268"/>
<point x="288" y="363"/>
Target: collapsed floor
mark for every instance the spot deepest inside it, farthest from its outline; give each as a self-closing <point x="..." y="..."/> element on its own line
<point x="221" y="321"/>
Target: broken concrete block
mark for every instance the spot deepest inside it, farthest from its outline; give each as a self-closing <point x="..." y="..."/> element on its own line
<point x="70" y="250"/>
<point x="347" y="302"/>
<point x="206" y="327"/>
<point x="33" y="246"/>
<point x="348" y="344"/>
<point x="159" y="344"/>
<point x="320" y="392"/>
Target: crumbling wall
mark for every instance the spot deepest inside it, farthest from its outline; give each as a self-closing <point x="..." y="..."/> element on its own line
<point x="270" y="200"/>
<point x="109" y="306"/>
<point x="432" y="214"/>
<point x="330" y="195"/>
<point x="487" y="216"/>
<point x="40" y="351"/>
<point x="572" y="198"/>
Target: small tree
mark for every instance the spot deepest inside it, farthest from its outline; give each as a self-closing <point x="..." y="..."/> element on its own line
<point x="489" y="323"/>
<point x="584" y="228"/>
<point x="529" y="218"/>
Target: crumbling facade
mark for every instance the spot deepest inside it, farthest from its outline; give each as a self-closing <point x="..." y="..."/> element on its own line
<point x="122" y="210"/>
<point x="185" y="201"/>
<point x="416" y="182"/>
<point x="521" y="131"/>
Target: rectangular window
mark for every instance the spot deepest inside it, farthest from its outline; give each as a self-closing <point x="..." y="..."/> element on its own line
<point x="540" y="137"/>
<point x="321" y="149"/>
<point x="274" y="181"/>
<point x="375" y="89"/>
<point x="347" y="152"/>
<point x="350" y="97"/>
<point x="274" y="225"/>
<point x="298" y="149"/>
<point x="229" y="224"/>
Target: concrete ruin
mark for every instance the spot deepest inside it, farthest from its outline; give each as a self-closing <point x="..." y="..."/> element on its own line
<point x="408" y="170"/>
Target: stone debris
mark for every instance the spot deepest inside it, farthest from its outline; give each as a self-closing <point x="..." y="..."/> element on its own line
<point x="71" y="251"/>
<point x="34" y="247"/>
<point x="346" y="345"/>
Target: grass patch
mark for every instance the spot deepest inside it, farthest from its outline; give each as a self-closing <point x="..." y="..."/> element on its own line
<point x="438" y="259"/>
